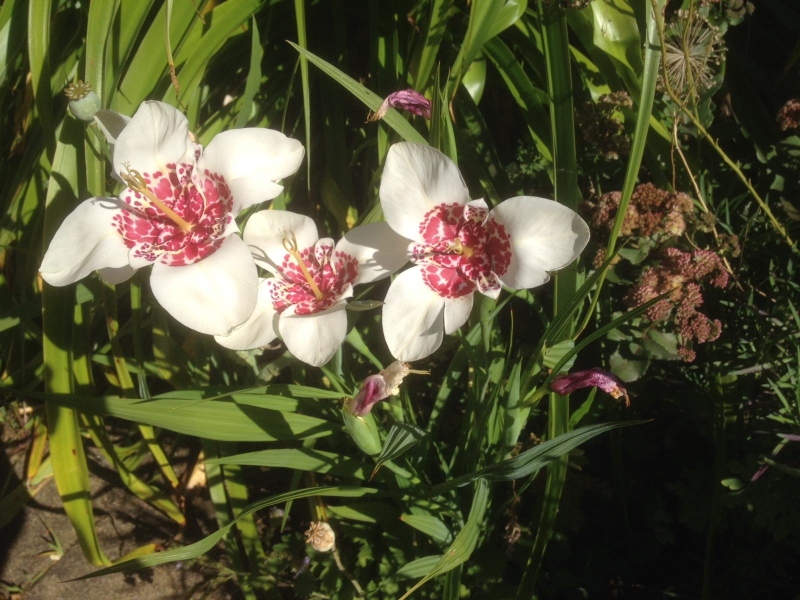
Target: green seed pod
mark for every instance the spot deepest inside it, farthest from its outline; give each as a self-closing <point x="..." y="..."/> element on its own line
<point x="364" y="431"/>
<point x="83" y="102"/>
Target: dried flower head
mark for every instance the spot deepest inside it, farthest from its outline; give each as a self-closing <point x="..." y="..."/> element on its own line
<point x="694" y="50"/>
<point x="321" y="537"/>
<point x="409" y="100"/>
<point x="789" y="115"/>
<point x="378" y="387"/>
<point x="595" y="377"/>
<point x="601" y="125"/>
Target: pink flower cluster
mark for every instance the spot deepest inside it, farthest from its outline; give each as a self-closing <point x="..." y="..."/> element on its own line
<point x="651" y="211"/>
<point x="682" y="275"/>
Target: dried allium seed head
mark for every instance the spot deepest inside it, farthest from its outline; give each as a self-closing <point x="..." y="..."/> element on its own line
<point x="694" y="49"/>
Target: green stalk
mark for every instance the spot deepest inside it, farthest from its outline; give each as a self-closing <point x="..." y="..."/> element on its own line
<point x="559" y="86"/>
<point x="66" y="446"/>
<point x="652" y="57"/>
<point x="302" y="41"/>
<point x="147" y="431"/>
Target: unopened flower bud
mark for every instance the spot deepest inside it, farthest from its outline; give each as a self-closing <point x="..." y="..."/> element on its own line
<point x="409" y="100"/>
<point x="321" y="537"/>
<point x="596" y="377"/>
<point x="363" y="430"/>
<point x="83" y="102"/>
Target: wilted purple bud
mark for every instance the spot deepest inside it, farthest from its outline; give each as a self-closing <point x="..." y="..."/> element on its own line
<point x="596" y="377"/>
<point x="409" y="100"/>
<point x="378" y="387"/>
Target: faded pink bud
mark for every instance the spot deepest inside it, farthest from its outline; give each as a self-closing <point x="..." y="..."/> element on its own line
<point x="409" y="100"/>
<point x="596" y="377"/>
<point x="378" y="387"/>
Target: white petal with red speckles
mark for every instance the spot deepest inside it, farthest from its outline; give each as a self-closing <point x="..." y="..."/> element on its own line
<point x="260" y="329"/>
<point x="264" y="234"/>
<point x="157" y="134"/>
<point x="417" y="178"/>
<point x="545" y="236"/>
<point x="251" y="161"/>
<point x="213" y="295"/>
<point x="315" y="338"/>
<point x="86" y="241"/>
<point x="456" y="312"/>
<point x="413" y="320"/>
<point x="379" y="251"/>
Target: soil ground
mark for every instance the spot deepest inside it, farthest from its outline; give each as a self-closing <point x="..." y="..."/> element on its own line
<point x="123" y="523"/>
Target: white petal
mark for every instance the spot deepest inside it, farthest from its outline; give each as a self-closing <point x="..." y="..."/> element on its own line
<point x="265" y="231"/>
<point x="456" y="312"/>
<point x="111" y="123"/>
<point x="545" y="236"/>
<point x="115" y="275"/>
<point x="251" y="160"/>
<point x="413" y="319"/>
<point x="87" y="240"/>
<point x="379" y="250"/>
<point x="417" y="178"/>
<point x="213" y="295"/>
<point x="260" y="329"/>
<point x="156" y="135"/>
<point x="315" y="338"/>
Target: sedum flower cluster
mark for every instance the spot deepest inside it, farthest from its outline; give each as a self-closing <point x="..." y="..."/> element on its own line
<point x="651" y="212"/>
<point x="279" y="278"/>
<point x="682" y="275"/>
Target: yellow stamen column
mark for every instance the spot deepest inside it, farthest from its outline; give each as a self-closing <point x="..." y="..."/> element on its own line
<point x="134" y="180"/>
<point x="290" y="244"/>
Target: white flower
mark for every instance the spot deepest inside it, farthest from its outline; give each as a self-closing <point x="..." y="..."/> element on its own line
<point x="176" y="213"/>
<point x="304" y="301"/>
<point x="459" y="246"/>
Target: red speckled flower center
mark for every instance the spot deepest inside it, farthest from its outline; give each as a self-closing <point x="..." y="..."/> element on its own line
<point x="332" y="271"/>
<point x="152" y="235"/>
<point x="463" y="250"/>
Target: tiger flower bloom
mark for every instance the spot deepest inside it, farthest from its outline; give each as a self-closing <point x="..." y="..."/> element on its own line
<point x="595" y="377"/>
<point x="304" y="301"/>
<point x="460" y="246"/>
<point x="177" y="213"/>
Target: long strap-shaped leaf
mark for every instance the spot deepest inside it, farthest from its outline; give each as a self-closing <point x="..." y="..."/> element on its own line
<point x="530" y="461"/>
<point x="393" y="119"/>
<point x="66" y="447"/>
<point x="39" y="14"/>
<point x="559" y="86"/>
<point x="466" y="540"/>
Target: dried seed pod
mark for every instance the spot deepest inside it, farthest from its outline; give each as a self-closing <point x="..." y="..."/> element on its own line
<point x="321" y="537"/>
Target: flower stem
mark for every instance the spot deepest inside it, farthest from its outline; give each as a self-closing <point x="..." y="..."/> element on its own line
<point x="726" y="159"/>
